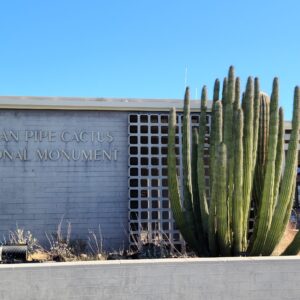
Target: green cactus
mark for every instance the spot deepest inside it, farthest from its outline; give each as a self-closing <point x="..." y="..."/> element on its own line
<point x="262" y="149"/>
<point x="245" y="170"/>
<point x="279" y="157"/>
<point x="265" y="209"/>
<point x="237" y="224"/>
<point x="285" y="197"/>
<point x="212" y="126"/>
<point x="247" y="106"/>
<point x="200" y="161"/>
<point x="212" y="220"/>
<point x="256" y="120"/>
<point x="222" y="204"/>
<point x="179" y="214"/>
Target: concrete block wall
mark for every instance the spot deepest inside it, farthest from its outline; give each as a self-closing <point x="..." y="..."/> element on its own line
<point x="36" y="194"/>
<point x="193" y="279"/>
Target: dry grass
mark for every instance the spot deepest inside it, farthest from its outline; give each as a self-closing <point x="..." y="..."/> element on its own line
<point x="39" y="256"/>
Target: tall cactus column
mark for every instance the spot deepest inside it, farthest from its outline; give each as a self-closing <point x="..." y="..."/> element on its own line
<point x="228" y="139"/>
<point x="263" y="223"/>
<point x="247" y="105"/>
<point x="222" y="203"/>
<point x="186" y="217"/>
<point x="285" y="197"/>
<point x="237" y="213"/>
<point x="200" y="166"/>
<point x="217" y="139"/>
<point x="186" y="162"/>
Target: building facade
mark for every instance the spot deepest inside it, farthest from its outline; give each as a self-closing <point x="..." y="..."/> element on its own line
<point x="98" y="164"/>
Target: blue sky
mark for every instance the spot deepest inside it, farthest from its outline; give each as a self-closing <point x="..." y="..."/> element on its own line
<point x="140" y="49"/>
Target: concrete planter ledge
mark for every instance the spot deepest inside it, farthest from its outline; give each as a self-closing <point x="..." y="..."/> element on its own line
<point x="190" y="278"/>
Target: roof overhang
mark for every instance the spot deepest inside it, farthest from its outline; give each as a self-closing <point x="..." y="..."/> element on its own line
<point x="112" y="104"/>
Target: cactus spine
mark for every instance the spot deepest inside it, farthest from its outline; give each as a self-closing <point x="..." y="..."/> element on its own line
<point x="245" y="169"/>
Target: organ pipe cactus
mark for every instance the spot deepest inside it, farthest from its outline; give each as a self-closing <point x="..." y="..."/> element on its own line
<point x="245" y="172"/>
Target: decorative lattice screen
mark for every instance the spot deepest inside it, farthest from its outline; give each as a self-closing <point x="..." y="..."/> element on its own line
<point x="149" y="207"/>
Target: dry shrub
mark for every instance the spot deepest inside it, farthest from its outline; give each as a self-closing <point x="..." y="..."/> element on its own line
<point x="22" y="237"/>
<point x="60" y="248"/>
<point x="156" y="244"/>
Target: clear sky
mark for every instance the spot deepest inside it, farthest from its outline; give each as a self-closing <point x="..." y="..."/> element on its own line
<point x="140" y="49"/>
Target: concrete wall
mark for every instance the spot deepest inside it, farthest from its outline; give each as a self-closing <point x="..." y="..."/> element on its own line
<point x="36" y="192"/>
<point x="209" y="279"/>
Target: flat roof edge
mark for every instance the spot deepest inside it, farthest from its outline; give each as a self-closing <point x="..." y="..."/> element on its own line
<point x="105" y="104"/>
<point x="116" y="104"/>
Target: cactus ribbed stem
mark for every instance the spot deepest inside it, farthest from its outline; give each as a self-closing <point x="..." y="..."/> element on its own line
<point x="201" y="169"/>
<point x="228" y="138"/>
<point x="214" y="195"/>
<point x="186" y="163"/>
<point x="218" y="123"/>
<point x="216" y="93"/>
<point x="279" y="157"/>
<point x="262" y="148"/>
<point x="224" y="90"/>
<point x="222" y="205"/>
<point x="174" y="193"/>
<point x="237" y="86"/>
<point x="263" y="221"/>
<point x="224" y="96"/>
<point x="284" y="197"/>
<point x="228" y="109"/>
<point x="237" y="224"/>
<point x="196" y="202"/>
<point x="256" y="120"/>
<point x="247" y="105"/>
<point x="212" y="146"/>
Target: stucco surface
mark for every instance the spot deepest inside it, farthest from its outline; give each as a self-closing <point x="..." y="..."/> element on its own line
<point x="36" y="193"/>
<point x="176" y="279"/>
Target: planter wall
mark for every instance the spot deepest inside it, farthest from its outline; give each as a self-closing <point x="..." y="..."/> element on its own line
<point x="229" y="278"/>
